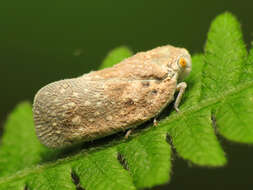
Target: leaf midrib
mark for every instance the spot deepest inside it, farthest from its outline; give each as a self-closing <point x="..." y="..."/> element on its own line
<point x="189" y="110"/>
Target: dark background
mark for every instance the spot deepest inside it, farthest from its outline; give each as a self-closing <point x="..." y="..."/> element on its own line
<point x="44" y="41"/>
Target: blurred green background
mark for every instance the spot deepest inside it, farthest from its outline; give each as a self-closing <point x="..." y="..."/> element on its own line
<point x="45" y="41"/>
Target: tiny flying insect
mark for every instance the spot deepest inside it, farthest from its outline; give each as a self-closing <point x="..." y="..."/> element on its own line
<point x="114" y="99"/>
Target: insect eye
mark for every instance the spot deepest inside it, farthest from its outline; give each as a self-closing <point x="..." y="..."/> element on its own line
<point x="182" y="62"/>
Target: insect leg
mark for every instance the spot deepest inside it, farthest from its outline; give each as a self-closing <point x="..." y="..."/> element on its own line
<point x="155" y="122"/>
<point x="129" y="131"/>
<point x="181" y="88"/>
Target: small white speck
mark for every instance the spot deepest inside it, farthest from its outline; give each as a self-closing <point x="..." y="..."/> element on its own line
<point x="37" y="112"/>
<point x="39" y="126"/>
<point x="53" y="113"/>
<point x="56" y="100"/>
<point x="72" y="104"/>
<point x="99" y="103"/>
<point x="97" y="113"/>
<point x="62" y="91"/>
<point x="139" y="115"/>
<point x="81" y="129"/>
<point x="109" y="118"/>
<point x="148" y="56"/>
<point x="54" y="124"/>
<point x="91" y="120"/>
<point x="97" y="95"/>
<point x="65" y="86"/>
<point x="87" y="103"/>
<point x="76" y="120"/>
<point x="75" y="94"/>
<point x="75" y="134"/>
<point x="65" y="106"/>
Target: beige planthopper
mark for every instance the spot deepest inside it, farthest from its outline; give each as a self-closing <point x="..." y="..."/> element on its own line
<point x="114" y="99"/>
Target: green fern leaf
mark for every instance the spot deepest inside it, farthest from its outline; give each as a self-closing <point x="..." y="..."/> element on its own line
<point x="115" y="56"/>
<point x="225" y="70"/>
<point x="219" y="96"/>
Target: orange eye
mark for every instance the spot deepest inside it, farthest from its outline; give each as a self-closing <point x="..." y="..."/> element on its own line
<point x="182" y="62"/>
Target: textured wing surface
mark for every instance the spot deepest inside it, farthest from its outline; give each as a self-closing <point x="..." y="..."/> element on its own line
<point x="81" y="110"/>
